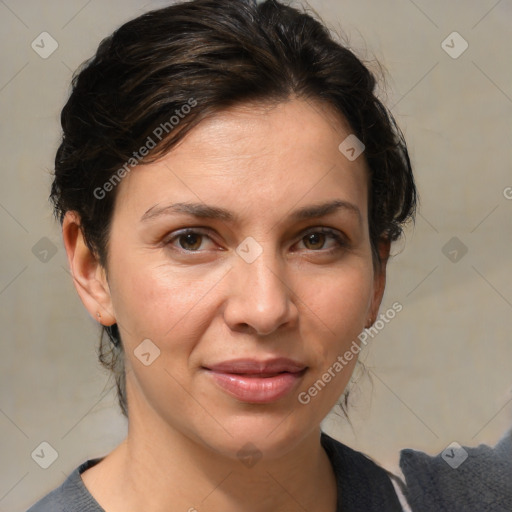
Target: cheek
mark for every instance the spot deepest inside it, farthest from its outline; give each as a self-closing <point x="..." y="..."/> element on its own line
<point x="162" y="304"/>
<point x="338" y="309"/>
<point x="340" y="300"/>
<point x="173" y="309"/>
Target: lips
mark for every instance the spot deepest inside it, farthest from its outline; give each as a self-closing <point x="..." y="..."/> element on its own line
<point x="254" y="367"/>
<point x="253" y="381"/>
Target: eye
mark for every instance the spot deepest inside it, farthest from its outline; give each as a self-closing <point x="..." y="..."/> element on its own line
<point x="316" y="239"/>
<point x="189" y="240"/>
<point x="193" y="240"/>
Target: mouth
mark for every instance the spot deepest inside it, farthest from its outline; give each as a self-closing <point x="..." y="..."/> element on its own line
<point x="252" y="381"/>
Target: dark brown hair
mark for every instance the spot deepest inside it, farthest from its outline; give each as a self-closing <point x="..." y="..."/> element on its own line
<point x="210" y="55"/>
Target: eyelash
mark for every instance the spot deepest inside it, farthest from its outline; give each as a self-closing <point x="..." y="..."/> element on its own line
<point x="340" y="240"/>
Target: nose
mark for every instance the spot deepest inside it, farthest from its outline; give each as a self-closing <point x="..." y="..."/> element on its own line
<point x="260" y="299"/>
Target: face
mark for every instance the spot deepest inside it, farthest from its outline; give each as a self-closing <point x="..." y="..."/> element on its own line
<point x="244" y="257"/>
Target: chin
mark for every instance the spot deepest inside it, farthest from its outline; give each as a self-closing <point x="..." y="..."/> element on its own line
<point x="253" y="435"/>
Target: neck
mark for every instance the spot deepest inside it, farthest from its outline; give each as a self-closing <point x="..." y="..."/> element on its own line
<point x="191" y="476"/>
<point x="155" y="467"/>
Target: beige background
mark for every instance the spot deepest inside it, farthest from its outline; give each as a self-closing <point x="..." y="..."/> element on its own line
<point x="441" y="369"/>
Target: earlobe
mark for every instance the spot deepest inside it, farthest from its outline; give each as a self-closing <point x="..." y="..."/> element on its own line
<point x="88" y="275"/>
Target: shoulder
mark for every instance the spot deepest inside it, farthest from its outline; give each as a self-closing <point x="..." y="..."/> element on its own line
<point x="71" y="496"/>
<point x="357" y="465"/>
<point x="361" y="482"/>
<point x="460" y="477"/>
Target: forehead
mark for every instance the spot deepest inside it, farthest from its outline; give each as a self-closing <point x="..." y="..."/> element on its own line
<point x="254" y="155"/>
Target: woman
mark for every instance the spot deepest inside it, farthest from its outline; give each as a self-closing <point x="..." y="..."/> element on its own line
<point x="229" y="187"/>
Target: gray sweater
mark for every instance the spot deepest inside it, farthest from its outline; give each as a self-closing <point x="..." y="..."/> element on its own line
<point x="362" y="485"/>
<point x="460" y="479"/>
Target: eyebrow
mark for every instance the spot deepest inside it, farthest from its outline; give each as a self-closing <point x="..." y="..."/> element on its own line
<point x="203" y="211"/>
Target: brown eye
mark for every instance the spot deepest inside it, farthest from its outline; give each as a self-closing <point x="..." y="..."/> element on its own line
<point x="318" y="240"/>
<point x="314" y="241"/>
<point x="190" y="241"/>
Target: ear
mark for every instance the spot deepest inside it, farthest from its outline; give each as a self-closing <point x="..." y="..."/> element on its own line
<point x="379" y="281"/>
<point x="88" y="275"/>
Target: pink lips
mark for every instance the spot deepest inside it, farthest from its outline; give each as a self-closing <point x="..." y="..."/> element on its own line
<point x="254" y="381"/>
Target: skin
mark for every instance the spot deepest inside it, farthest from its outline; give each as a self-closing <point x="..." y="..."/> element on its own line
<point x="302" y="298"/>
